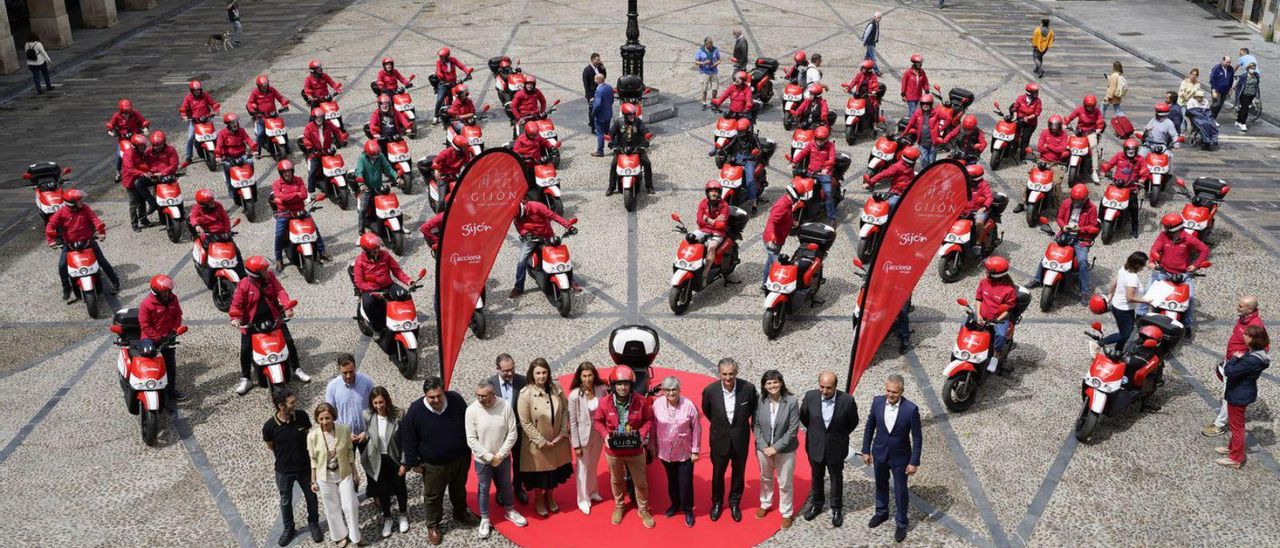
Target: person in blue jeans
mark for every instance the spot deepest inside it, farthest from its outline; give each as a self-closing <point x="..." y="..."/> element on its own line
<point x="746" y="150"/>
<point x="821" y="153"/>
<point x="1080" y="216"/>
<point x="1125" y="294"/>
<point x="289" y="195"/>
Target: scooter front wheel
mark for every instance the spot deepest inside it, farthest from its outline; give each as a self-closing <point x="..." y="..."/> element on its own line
<point x="680" y="297"/>
<point x="250" y="206"/>
<point x="222" y="292"/>
<point x="91" y="303"/>
<point x="774" y="320"/>
<point x="173" y="227"/>
<point x="150" y="425"/>
<point x="1047" y="294"/>
<point x="479" y="324"/>
<point x="396" y="242"/>
<point x="209" y="163"/>
<point x="997" y="156"/>
<point x="950" y="267"/>
<point x="1086" y="423"/>
<point x="1107" y="231"/>
<point x="307" y="266"/>
<point x="407" y="362"/>
<point x="629" y="198"/>
<point x="343" y="198"/>
<point x="564" y="303"/>
<point x="960" y="391"/>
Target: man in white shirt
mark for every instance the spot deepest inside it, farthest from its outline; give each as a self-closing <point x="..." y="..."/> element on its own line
<point x="729" y="405"/>
<point x="508" y="384"/>
<point x="829" y="417"/>
<point x="894" y="426"/>
<point x="491" y="435"/>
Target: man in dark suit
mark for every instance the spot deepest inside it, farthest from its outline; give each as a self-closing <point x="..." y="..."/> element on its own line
<point x="740" y="52"/>
<point x="509" y="384"/>
<point x="828" y="416"/>
<point x="589" y="72"/>
<point x="891" y="420"/>
<point x="729" y="406"/>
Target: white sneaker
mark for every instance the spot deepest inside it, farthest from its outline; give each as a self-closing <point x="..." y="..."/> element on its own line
<point x="597" y="498"/>
<point x="386" y="527"/>
<point x="243" y="387"/>
<point x="404" y="524"/>
<point x="514" y="517"/>
<point x="1096" y="180"/>
<point x="301" y="375"/>
<point x="1244" y="128"/>
<point x="585" y="507"/>
<point x="485" y="529"/>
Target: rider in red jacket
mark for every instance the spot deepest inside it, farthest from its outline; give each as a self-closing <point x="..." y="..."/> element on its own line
<point x="968" y="139"/>
<point x="741" y="103"/>
<point x="926" y="128"/>
<point x="1079" y="216"/>
<point x="528" y="102"/>
<point x="232" y="145"/>
<point x="319" y="138"/>
<point x="431" y="231"/>
<point x="713" y="219"/>
<point x="866" y="84"/>
<point x="530" y="145"/>
<point x="258" y="298"/>
<point x="1176" y="251"/>
<point x="389" y="79"/>
<point x="447" y="67"/>
<point x="812" y="111"/>
<point x="461" y="110"/>
<point x="135" y="178"/>
<point x="1052" y="144"/>
<point x="980" y="200"/>
<point x="196" y="104"/>
<point x="209" y="217"/>
<point x="448" y="165"/>
<point x="374" y="271"/>
<point x="781" y="221"/>
<point x="899" y="175"/>
<point x="123" y="124"/>
<point x="1089" y="120"/>
<point x="1130" y="171"/>
<point x="821" y="153"/>
<point x="262" y="103"/>
<point x="1026" y="109"/>
<point x="72" y="224"/>
<point x="315" y="88"/>
<point x="289" y="195"/>
<point x="996" y="298"/>
<point x="533" y="222"/>
<point x="386" y="122"/>
<point x="159" y="317"/>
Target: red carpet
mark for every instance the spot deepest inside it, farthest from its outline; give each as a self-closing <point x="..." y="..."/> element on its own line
<point x="571" y="528"/>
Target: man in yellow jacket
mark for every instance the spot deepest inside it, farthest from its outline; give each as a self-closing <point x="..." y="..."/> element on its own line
<point x="1041" y="41"/>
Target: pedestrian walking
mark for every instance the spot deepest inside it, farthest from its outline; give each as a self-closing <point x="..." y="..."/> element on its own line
<point x="892" y="443"/>
<point x="333" y="474"/>
<point x="729" y="405"/>
<point x="349" y="394"/>
<point x="380" y="456"/>
<point x="1117" y="87"/>
<point x="871" y="37"/>
<point x="1221" y="78"/>
<point x="601" y="112"/>
<point x="433" y="436"/>
<point x="1250" y="89"/>
<point x="829" y="417"/>
<point x="38" y="62"/>
<point x="679" y="436"/>
<point x="1246" y="315"/>
<point x="593" y="69"/>
<point x="233" y="16"/>
<point x="586" y="391"/>
<point x="1242" y="65"/>
<point x="707" y="61"/>
<point x="1241" y="374"/>
<point x="1041" y="41"/>
<point x="740" y="52"/>
<point x="1188" y="87"/>
<point x="509" y="384"/>
<point x="491" y="435"/>
<point x="776" y="424"/>
<point x="1124" y="294"/>
<point x="285" y="434"/>
<point x="545" y="456"/>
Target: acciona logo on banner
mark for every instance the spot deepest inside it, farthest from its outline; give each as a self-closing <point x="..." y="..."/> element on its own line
<point x="928" y="207"/>
<point x="475" y="226"/>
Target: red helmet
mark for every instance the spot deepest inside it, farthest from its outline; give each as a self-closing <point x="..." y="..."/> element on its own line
<point x="314" y="65"/>
<point x="712" y="185"/>
<point x="230" y="118"/>
<point x="1151" y="332"/>
<point x="388" y="61"/>
<point x="262" y="81"/>
<point x="370" y="241"/>
<point x="384" y="100"/>
<point x="1033" y="88"/>
<point x="1098" y="304"/>
<point x="194" y="85"/>
<point x="822" y="132"/>
<point x="975" y="172"/>
<point x="1079" y="193"/>
<point x="530" y="80"/>
<point x="628" y="109"/>
<point x="740" y="76"/>
<point x="157" y="138"/>
<point x="317" y="113"/>
<point x="996" y="266"/>
<point x="125" y="105"/>
<point x="257" y="264"/>
<point x="460" y="89"/>
<point x="444" y="52"/>
<point x="744" y="124"/>
<point x="139" y="140"/>
<point x="622" y="373"/>
<point x="73" y="196"/>
<point x="815" y="89"/>
<point x="371" y="148"/>
<point x="531" y="127"/>
<point x="1131" y="147"/>
<point x="505" y="62"/>
<point x="160" y="282"/>
<point x="800" y="188"/>
<point x="1090" y="100"/>
<point x="927" y="100"/>
<point x="868" y="64"/>
<point x="1171" y="221"/>
<point x="799" y="57"/>
<point x="204" y="196"/>
<point x="286" y="165"/>
<point x="969" y="122"/>
<point x="1162" y="109"/>
<point x="910" y="155"/>
<point x="1055" y="122"/>
<point x="916" y="58"/>
<point x="460" y="141"/>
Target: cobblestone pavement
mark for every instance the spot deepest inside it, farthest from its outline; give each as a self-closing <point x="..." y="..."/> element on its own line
<point x="1007" y="472"/>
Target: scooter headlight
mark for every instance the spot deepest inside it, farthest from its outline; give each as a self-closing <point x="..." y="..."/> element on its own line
<point x="775" y="287"/>
<point x="273" y="358"/>
<point x="84" y="271"/>
<point x="151" y="385"/>
<point x="1095" y="382"/>
<point x="964" y="355"/>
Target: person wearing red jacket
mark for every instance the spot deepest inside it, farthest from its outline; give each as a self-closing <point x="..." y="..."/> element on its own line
<point x="134" y="177"/>
<point x="315" y="88"/>
<point x="927" y="128"/>
<point x="915" y="84"/>
<point x="462" y="110"/>
<point x="195" y="105"/>
<point x="447" y="67"/>
<point x="1026" y="110"/>
<point x="530" y="145"/>
<point x="318" y="139"/>
<point x="72" y="224"/>
<point x="526" y="103"/>
<point x="261" y="104"/>
<point x="232" y="147"/>
<point x="389" y="79"/>
<point x="374" y="271"/>
<point x="1246" y="316"/>
<point x="866" y="83"/>
<point x="161" y="161"/>
<point x="713" y="219"/>
<point x="781" y="221"/>
<point x="209" y="217"/>
<point x="1176" y="252"/>
<point x="899" y="175"/>
<point x="431" y="231"/>
<point x="624" y="463"/>
<point x="533" y="223"/>
<point x="741" y="104"/>
<point x="260" y="298"/>
<point x="1079" y="216"/>
<point x="123" y="124"/>
<point x="159" y="316"/>
<point x="448" y="166"/>
<point x="386" y="123"/>
<point x="821" y="153"/>
<point x="1130" y="171"/>
<point x="996" y="298"/>
<point x="813" y="110"/>
<point x="289" y="198"/>
<point x="967" y="139"/>
<point x="1089" y="121"/>
<point x="980" y="200"/>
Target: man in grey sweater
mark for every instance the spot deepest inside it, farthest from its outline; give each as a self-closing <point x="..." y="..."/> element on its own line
<point x="491" y="435"/>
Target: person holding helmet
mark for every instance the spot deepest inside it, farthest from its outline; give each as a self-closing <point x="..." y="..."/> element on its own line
<point x="446" y="76"/>
<point x="980" y="200"/>
<point x="1080" y="216"/>
<point x="533" y="221"/>
<point x="258" y="298"/>
<point x="159" y="316"/>
<point x="262" y="103"/>
<point x="448" y="165"/>
<point x="124" y="123"/>
<point x="821" y="153"/>
<point x="1026" y="110"/>
<point x="915" y="84"/>
<point x="629" y="131"/>
<point x="232" y="146"/>
<point x="899" y="175"/>
<point x="462" y="110"/>
<point x="374" y="271"/>
<point x="72" y="224"/>
<point x="386" y="123"/>
<point x="744" y="150"/>
<point x="1160" y="130"/>
<point x="289" y="198"/>
<point x="531" y="145"/>
<point x="812" y="111"/>
<point x="1176" y="251"/>
<point x="389" y="79"/>
<point x="625" y="414"/>
<point x="927" y="128"/>
<point x="995" y="299"/>
<point x="1091" y="123"/>
<point x="319" y="138"/>
<point x="738" y="94"/>
<point x="196" y="104"/>
<point x="373" y="174"/>
<point x="967" y="139"/>
<point x="1130" y="171"/>
<point x="134" y="179"/>
<point x="713" y="218"/>
<point x="315" y="88"/>
<point x="781" y="221"/>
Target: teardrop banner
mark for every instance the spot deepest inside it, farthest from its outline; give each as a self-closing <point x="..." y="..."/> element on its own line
<point x="930" y="204"/>
<point x="481" y="209"/>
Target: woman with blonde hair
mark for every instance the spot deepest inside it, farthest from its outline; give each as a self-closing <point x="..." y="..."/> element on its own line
<point x="333" y="474"/>
<point x="1117" y="87"/>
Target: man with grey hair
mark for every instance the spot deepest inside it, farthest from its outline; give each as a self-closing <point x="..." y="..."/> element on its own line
<point x="509" y="383"/>
<point x="829" y="417"/>
<point x="491" y="435"/>
<point x="1246" y="315"/>
<point x="740" y="52"/>
<point x="892" y="441"/>
<point x="729" y="405"/>
<point x="870" y="37"/>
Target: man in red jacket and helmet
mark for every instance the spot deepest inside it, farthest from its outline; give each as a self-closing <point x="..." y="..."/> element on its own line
<point x="530" y="145"/>
<point x="741" y="104"/>
<point x="626" y="413"/>
<point x="781" y="221"/>
<point x="1054" y="154"/>
<point x="967" y="139"/>
<point x="996" y="299"/>
<point x="927" y="127"/>
<point x="866" y="83"/>
<point x="72" y="224"/>
<point x="713" y="220"/>
<point x="389" y="79"/>
<point x="462" y="110"/>
<point x="124" y="123"/>
<point x="260" y="298"/>
<point x="812" y="111"/>
<point x="529" y="102"/>
<point x="261" y="104"/>
<point x="1130" y="171"/>
<point x="899" y="175"/>
<point x="448" y="166"/>
<point x="374" y="271"/>
<point x="1089" y="120"/>
<point x="1080" y="216"/>
<point x="159" y="317"/>
<point x="1174" y="252"/>
<point x="533" y="222"/>
<point x="821" y="153"/>
<point x="980" y="200"/>
<point x="289" y="195"/>
<point x="195" y="105"/>
<point x="1026" y="111"/>
<point x="319" y="138"/>
<point x="446" y="76"/>
<point x="315" y="88"/>
<point x="209" y="217"/>
<point x="134" y="179"/>
<point x="915" y="84"/>
<point x="232" y="147"/>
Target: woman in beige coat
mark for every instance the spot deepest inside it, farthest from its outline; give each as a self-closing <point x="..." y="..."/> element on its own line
<point x="333" y="475"/>
<point x="1189" y="86"/>
<point x="1116" y="88"/>
<point x="545" y="456"/>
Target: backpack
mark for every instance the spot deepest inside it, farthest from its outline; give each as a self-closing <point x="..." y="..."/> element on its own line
<point x="1122" y="86"/>
<point x="31" y="54"/>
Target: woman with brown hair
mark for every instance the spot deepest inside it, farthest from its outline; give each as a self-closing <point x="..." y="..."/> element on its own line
<point x="1117" y="86"/>
<point x="544" y="452"/>
<point x="380" y="457"/>
<point x="586" y="391"/>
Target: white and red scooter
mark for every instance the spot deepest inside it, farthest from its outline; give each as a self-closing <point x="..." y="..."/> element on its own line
<point x="691" y="258"/>
<point x="972" y="358"/>
<point x="277" y="142"/>
<point x="403" y="102"/>
<point x="389" y="220"/>
<point x="206" y="137"/>
<point x="172" y="209"/>
<point x="85" y="273"/>
<point x="402" y="161"/>
<point x="303" y="236"/>
<point x="143" y="377"/>
<point x="399" y="337"/>
<point x="271" y="352"/>
<point x="874" y="217"/>
<point x="552" y="271"/>
<point x="1202" y="207"/>
<point x="245" y="188"/>
<point x="1119" y="378"/>
<point x="1172" y="297"/>
<point x="335" y="179"/>
<point x="1059" y="263"/>
<point x="802" y="270"/>
<point x="217" y="262"/>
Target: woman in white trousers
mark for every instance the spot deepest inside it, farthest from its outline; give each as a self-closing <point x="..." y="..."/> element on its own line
<point x="585" y="394"/>
<point x="333" y="475"/>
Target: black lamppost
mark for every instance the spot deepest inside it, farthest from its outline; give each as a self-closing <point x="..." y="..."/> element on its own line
<point x="633" y="51"/>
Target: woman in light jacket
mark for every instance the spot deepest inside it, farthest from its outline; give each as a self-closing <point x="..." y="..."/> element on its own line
<point x="776" y="422"/>
<point x="545" y="456"/>
<point x="380" y="457"/>
<point x="333" y="475"/>
<point x="1115" y="92"/>
<point x="1187" y="89"/>
<point x="586" y="391"/>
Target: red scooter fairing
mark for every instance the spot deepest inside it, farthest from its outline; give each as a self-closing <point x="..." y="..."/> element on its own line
<point x="1004" y="134"/>
<point x="242" y="180"/>
<point x="726" y="129"/>
<point x="629" y="169"/>
<point x="1115" y="199"/>
<point x="303" y="234"/>
<point x="1079" y="146"/>
<point x="1039" y="183"/>
<point x="402" y="319"/>
<point x="973" y="346"/>
<point x="799" y="139"/>
<point x="956" y="237"/>
<point x="883" y="153"/>
<point x="335" y="168"/>
<point x="398" y="155"/>
<point x="82" y="265"/>
<point x="783" y="279"/>
<point x="275" y="130"/>
<point x="545" y="176"/>
<point x="387" y="208"/>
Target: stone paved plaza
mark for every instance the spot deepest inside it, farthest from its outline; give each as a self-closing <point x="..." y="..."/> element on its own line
<point x="1008" y="472"/>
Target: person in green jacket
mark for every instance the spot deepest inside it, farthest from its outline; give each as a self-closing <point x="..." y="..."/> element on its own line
<point x="373" y="173"/>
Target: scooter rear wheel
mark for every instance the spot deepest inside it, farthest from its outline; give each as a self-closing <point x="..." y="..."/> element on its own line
<point x="343" y="198"/>
<point x="960" y="391"/>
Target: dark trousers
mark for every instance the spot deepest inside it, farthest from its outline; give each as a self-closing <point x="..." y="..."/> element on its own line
<point x="393" y="485"/>
<point x="141" y="201"/>
<point x="436" y="479"/>
<point x="1124" y="328"/>
<point x="102" y="263"/>
<point x="902" y="325"/>
<point x="817" y="473"/>
<point x="314" y="173"/>
<point x="1038" y="57"/>
<point x="39" y="71"/>
<point x="1246" y="102"/>
<point x="246" y="356"/>
<point x="375" y="311"/>
<point x="738" y="460"/>
<point x="284" y="484"/>
<point x="901" y="497"/>
<point x="1216" y="105"/>
<point x="680" y="483"/>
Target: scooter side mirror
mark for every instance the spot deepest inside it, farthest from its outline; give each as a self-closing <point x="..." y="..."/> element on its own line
<point x="997" y="105"/>
<point x="412" y="76"/>
<point x="556" y="103"/>
<point x="676" y="217"/>
<point x="182" y="330"/>
<point x="1150" y="343"/>
<point x="1181" y="139"/>
<point x="857" y="263"/>
<point x="1180" y="182"/>
<point x="963" y="302"/>
<point x="117" y="329"/>
<point x="1043" y="220"/>
<point x="422" y="273"/>
<point x="26" y="176"/>
<point x="66" y="171"/>
<point x="1097" y="326"/>
<point x="485" y="109"/>
<point x="937" y="87"/>
<point x="1137" y="135"/>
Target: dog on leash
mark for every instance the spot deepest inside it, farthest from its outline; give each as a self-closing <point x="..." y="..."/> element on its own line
<point x="221" y="40"/>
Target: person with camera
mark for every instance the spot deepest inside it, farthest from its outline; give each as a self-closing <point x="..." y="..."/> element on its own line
<point x="625" y="421"/>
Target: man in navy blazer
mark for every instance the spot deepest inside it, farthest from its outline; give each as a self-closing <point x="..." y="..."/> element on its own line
<point x="885" y="443"/>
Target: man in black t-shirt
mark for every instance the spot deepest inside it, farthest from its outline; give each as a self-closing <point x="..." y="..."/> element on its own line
<point x="286" y="436"/>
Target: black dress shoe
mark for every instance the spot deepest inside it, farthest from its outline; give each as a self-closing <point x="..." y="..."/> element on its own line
<point x="877" y="520"/>
<point x="671" y="512"/>
<point x="837" y="517"/>
<point x="716" y="510"/>
<point x="521" y="495"/>
<point x="286" y="536"/>
<point x="688" y="518"/>
<point x="316" y="534"/>
<point x="811" y="511"/>
<point x="1019" y="208"/>
<point x="900" y="534"/>
<point x="735" y="513"/>
<point x="610" y="192"/>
